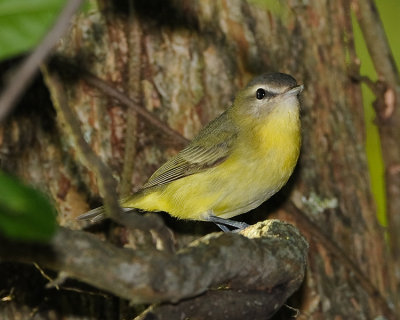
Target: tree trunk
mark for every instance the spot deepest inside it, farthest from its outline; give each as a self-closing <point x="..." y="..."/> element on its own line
<point x="183" y="61"/>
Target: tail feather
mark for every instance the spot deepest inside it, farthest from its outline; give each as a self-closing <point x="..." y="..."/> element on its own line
<point x="98" y="214"/>
<point x="93" y="215"/>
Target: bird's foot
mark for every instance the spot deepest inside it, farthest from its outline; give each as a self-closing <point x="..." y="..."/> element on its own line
<point x="224" y="224"/>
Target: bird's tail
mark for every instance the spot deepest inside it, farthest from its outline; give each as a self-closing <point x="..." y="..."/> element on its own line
<point x="127" y="204"/>
<point x="98" y="214"/>
<point x="93" y="215"/>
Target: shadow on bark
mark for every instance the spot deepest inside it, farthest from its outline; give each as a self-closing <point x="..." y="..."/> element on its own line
<point x="192" y="281"/>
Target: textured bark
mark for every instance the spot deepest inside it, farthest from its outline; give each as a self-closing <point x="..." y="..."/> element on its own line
<point x="333" y="186"/>
<point x="194" y="55"/>
<point x="275" y="252"/>
<point x="237" y="305"/>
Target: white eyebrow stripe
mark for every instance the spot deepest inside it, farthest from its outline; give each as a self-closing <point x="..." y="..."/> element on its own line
<point x="266" y="88"/>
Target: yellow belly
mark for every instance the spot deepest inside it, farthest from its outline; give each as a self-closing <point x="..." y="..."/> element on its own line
<point x="260" y="164"/>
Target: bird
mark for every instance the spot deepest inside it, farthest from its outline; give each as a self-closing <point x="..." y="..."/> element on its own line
<point x="234" y="164"/>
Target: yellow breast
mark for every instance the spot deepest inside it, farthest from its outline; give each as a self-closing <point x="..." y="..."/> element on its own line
<point x="263" y="167"/>
<point x="261" y="162"/>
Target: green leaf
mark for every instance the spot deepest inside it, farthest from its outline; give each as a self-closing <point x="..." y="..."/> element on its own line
<point x="23" y="23"/>
<point x="25" y="213"/>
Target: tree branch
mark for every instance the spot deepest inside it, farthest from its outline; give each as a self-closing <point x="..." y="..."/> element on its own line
<point x="376" y="40"/>
<point x="387" y="106"/>
<point x="275" y="255"/>
<point x="28" y="68"/>
<point x="387" y="88"/>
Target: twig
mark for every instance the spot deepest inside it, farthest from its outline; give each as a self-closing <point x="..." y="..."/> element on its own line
<point x="28" y="68"/>
<point x="62" y="63"/>
<point x="388" y="85"/>
<point x="274" y="251"/>
<point x="91" y="161"/>
<point x="335" y="250"/>
<point x="134" y="89"/>
<point x="376" y="40"/>
<point x="110" y="91"/>
<point x="387" y="106"/>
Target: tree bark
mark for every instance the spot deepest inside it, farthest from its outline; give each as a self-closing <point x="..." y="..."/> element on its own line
<point x="192" y="56"/>
<point x="275" y="253"/>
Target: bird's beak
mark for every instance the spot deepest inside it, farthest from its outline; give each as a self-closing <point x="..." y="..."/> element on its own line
<point x="295" y="90"/>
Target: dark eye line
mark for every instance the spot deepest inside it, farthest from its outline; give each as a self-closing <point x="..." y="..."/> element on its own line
<point x="262" y="93"/>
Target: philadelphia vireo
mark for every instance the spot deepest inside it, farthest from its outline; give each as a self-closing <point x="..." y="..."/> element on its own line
<point x="235" y="163"/>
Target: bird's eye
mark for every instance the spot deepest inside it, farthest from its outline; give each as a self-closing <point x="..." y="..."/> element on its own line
<point x="260" y="93"/>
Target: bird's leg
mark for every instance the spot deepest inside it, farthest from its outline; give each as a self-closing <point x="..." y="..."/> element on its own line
<point x="223" y="227"/>
<point x="224" y="223"/>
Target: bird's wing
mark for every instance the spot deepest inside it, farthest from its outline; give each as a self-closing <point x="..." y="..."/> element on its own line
<point x="211" y="147"/>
